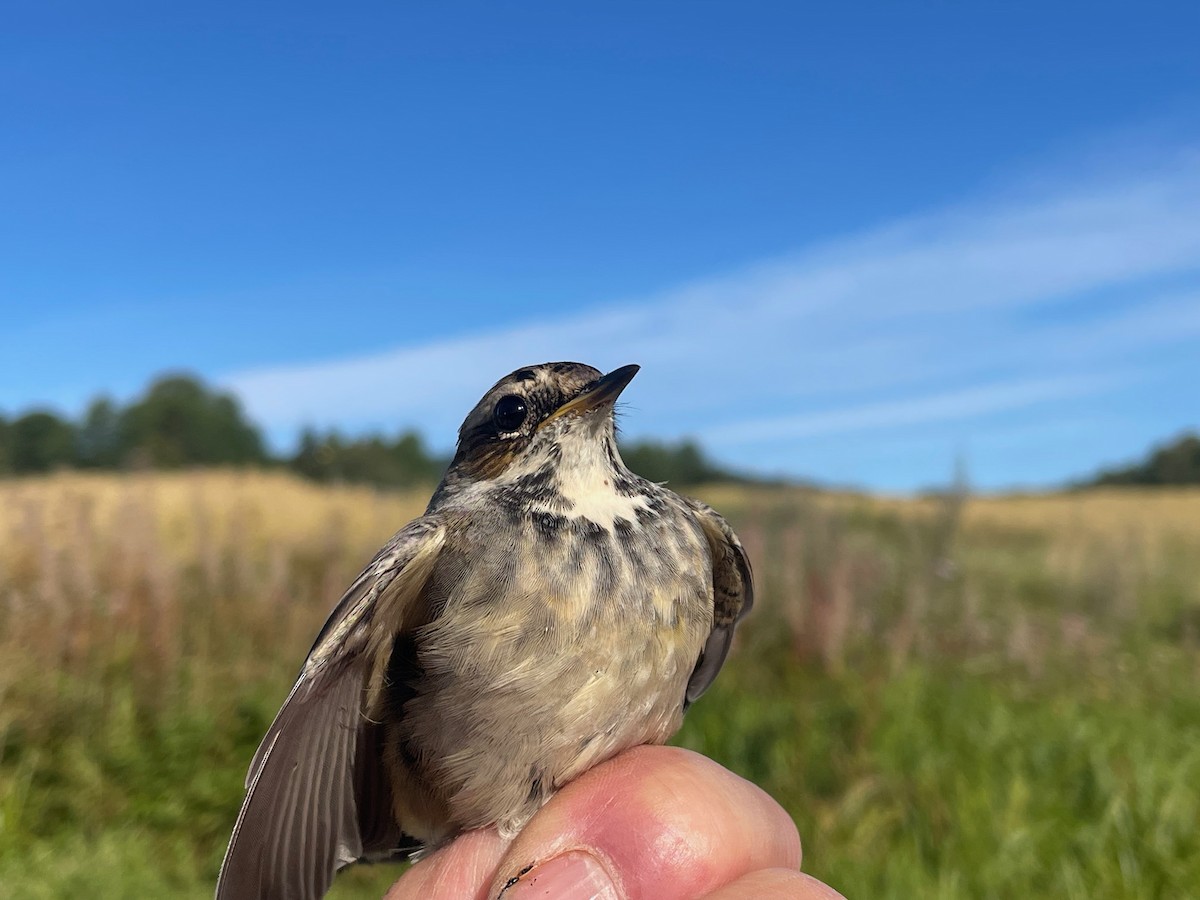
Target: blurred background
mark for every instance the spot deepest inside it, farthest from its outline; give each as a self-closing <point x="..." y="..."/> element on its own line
<point x="916" y="293"/>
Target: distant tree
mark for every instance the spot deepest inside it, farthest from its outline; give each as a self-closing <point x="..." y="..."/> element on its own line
<point x="5" y="446"/>
<point x="180" y="422"/>
<point x="40" y="441"/>
<point x="413" y="456"/>
<point x="369" y="460"/>
<point x="313" y="458"/>
<point x="1176" y="462"/>
<point x="679" y="464"/>
<point x="98" y="443"/>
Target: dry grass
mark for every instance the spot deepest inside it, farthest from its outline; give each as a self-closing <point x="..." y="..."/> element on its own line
<point x="171" y="570"/>
<point x="92" y="562"/>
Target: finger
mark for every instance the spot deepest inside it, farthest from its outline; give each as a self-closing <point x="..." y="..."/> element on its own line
<point x="655" y="822"/>
<point x="463" y="870"/>
<point x="775" y="884"/>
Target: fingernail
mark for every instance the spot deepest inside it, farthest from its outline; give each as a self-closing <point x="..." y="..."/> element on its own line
<point x="572" y="876"/>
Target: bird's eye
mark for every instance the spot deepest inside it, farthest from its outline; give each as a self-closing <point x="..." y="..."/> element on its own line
<point x="510" y="412"/>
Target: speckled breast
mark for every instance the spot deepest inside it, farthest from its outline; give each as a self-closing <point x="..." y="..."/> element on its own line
<point x="559" y="643"/>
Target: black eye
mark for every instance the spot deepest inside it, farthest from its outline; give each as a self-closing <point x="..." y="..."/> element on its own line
<point x="510" y="412"/>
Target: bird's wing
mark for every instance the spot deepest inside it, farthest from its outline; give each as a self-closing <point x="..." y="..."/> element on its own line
<point x="733" y="596"/>
<point x="302" y="818"/>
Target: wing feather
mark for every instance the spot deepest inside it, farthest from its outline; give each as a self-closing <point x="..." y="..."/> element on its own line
<point x="733" y="597"/>
<point x="301" y="820"/>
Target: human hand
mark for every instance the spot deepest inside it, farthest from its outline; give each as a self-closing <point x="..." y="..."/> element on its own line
<point x="655" y="823"/>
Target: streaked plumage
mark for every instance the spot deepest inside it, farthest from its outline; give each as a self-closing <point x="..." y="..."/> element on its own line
<point x="549" y="610"/>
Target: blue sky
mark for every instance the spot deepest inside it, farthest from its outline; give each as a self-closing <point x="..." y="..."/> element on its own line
<point x="853" y="242"/>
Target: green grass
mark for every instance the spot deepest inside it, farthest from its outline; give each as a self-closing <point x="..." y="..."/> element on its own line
<point x="936" y="782"/>
<point x="950" y="703"/>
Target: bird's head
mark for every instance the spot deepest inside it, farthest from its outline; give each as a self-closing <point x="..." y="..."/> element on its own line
<point x="563" y="405"/>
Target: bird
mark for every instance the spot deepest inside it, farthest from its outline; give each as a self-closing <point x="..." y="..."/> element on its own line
<point x="549" y="610"/>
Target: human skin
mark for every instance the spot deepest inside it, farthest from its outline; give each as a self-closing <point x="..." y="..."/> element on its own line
<point x="655" y="823"/>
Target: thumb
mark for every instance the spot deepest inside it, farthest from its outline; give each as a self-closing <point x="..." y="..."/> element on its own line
<point x="655" y="823"/>
<point x="460" y="871"/>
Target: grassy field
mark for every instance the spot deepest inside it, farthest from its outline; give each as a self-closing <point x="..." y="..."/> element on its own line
<point x="955" y="698"/>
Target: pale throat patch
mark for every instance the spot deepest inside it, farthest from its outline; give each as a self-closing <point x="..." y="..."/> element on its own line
<point x="593" y="496"/>
<point x="586" y="478"/>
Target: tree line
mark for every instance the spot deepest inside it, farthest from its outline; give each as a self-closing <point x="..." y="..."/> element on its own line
<point x="181" y="422"/>
<point x="1175" y="462"/>
<point x="176" y="422"/>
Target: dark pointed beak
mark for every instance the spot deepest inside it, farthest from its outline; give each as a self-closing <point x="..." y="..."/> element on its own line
<point x="604" y="392"/>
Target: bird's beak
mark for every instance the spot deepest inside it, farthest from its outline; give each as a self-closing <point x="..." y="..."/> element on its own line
<point x="603" y="393"/>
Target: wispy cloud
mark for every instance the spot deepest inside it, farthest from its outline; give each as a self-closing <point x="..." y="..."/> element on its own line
<point x="949" y="405"/>
<point x="1000" y="305"/>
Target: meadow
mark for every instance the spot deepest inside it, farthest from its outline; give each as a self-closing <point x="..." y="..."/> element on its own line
<point x="955" y="697"/>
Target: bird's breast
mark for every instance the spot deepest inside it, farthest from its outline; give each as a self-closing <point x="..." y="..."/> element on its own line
<point x="560" y="642"/>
